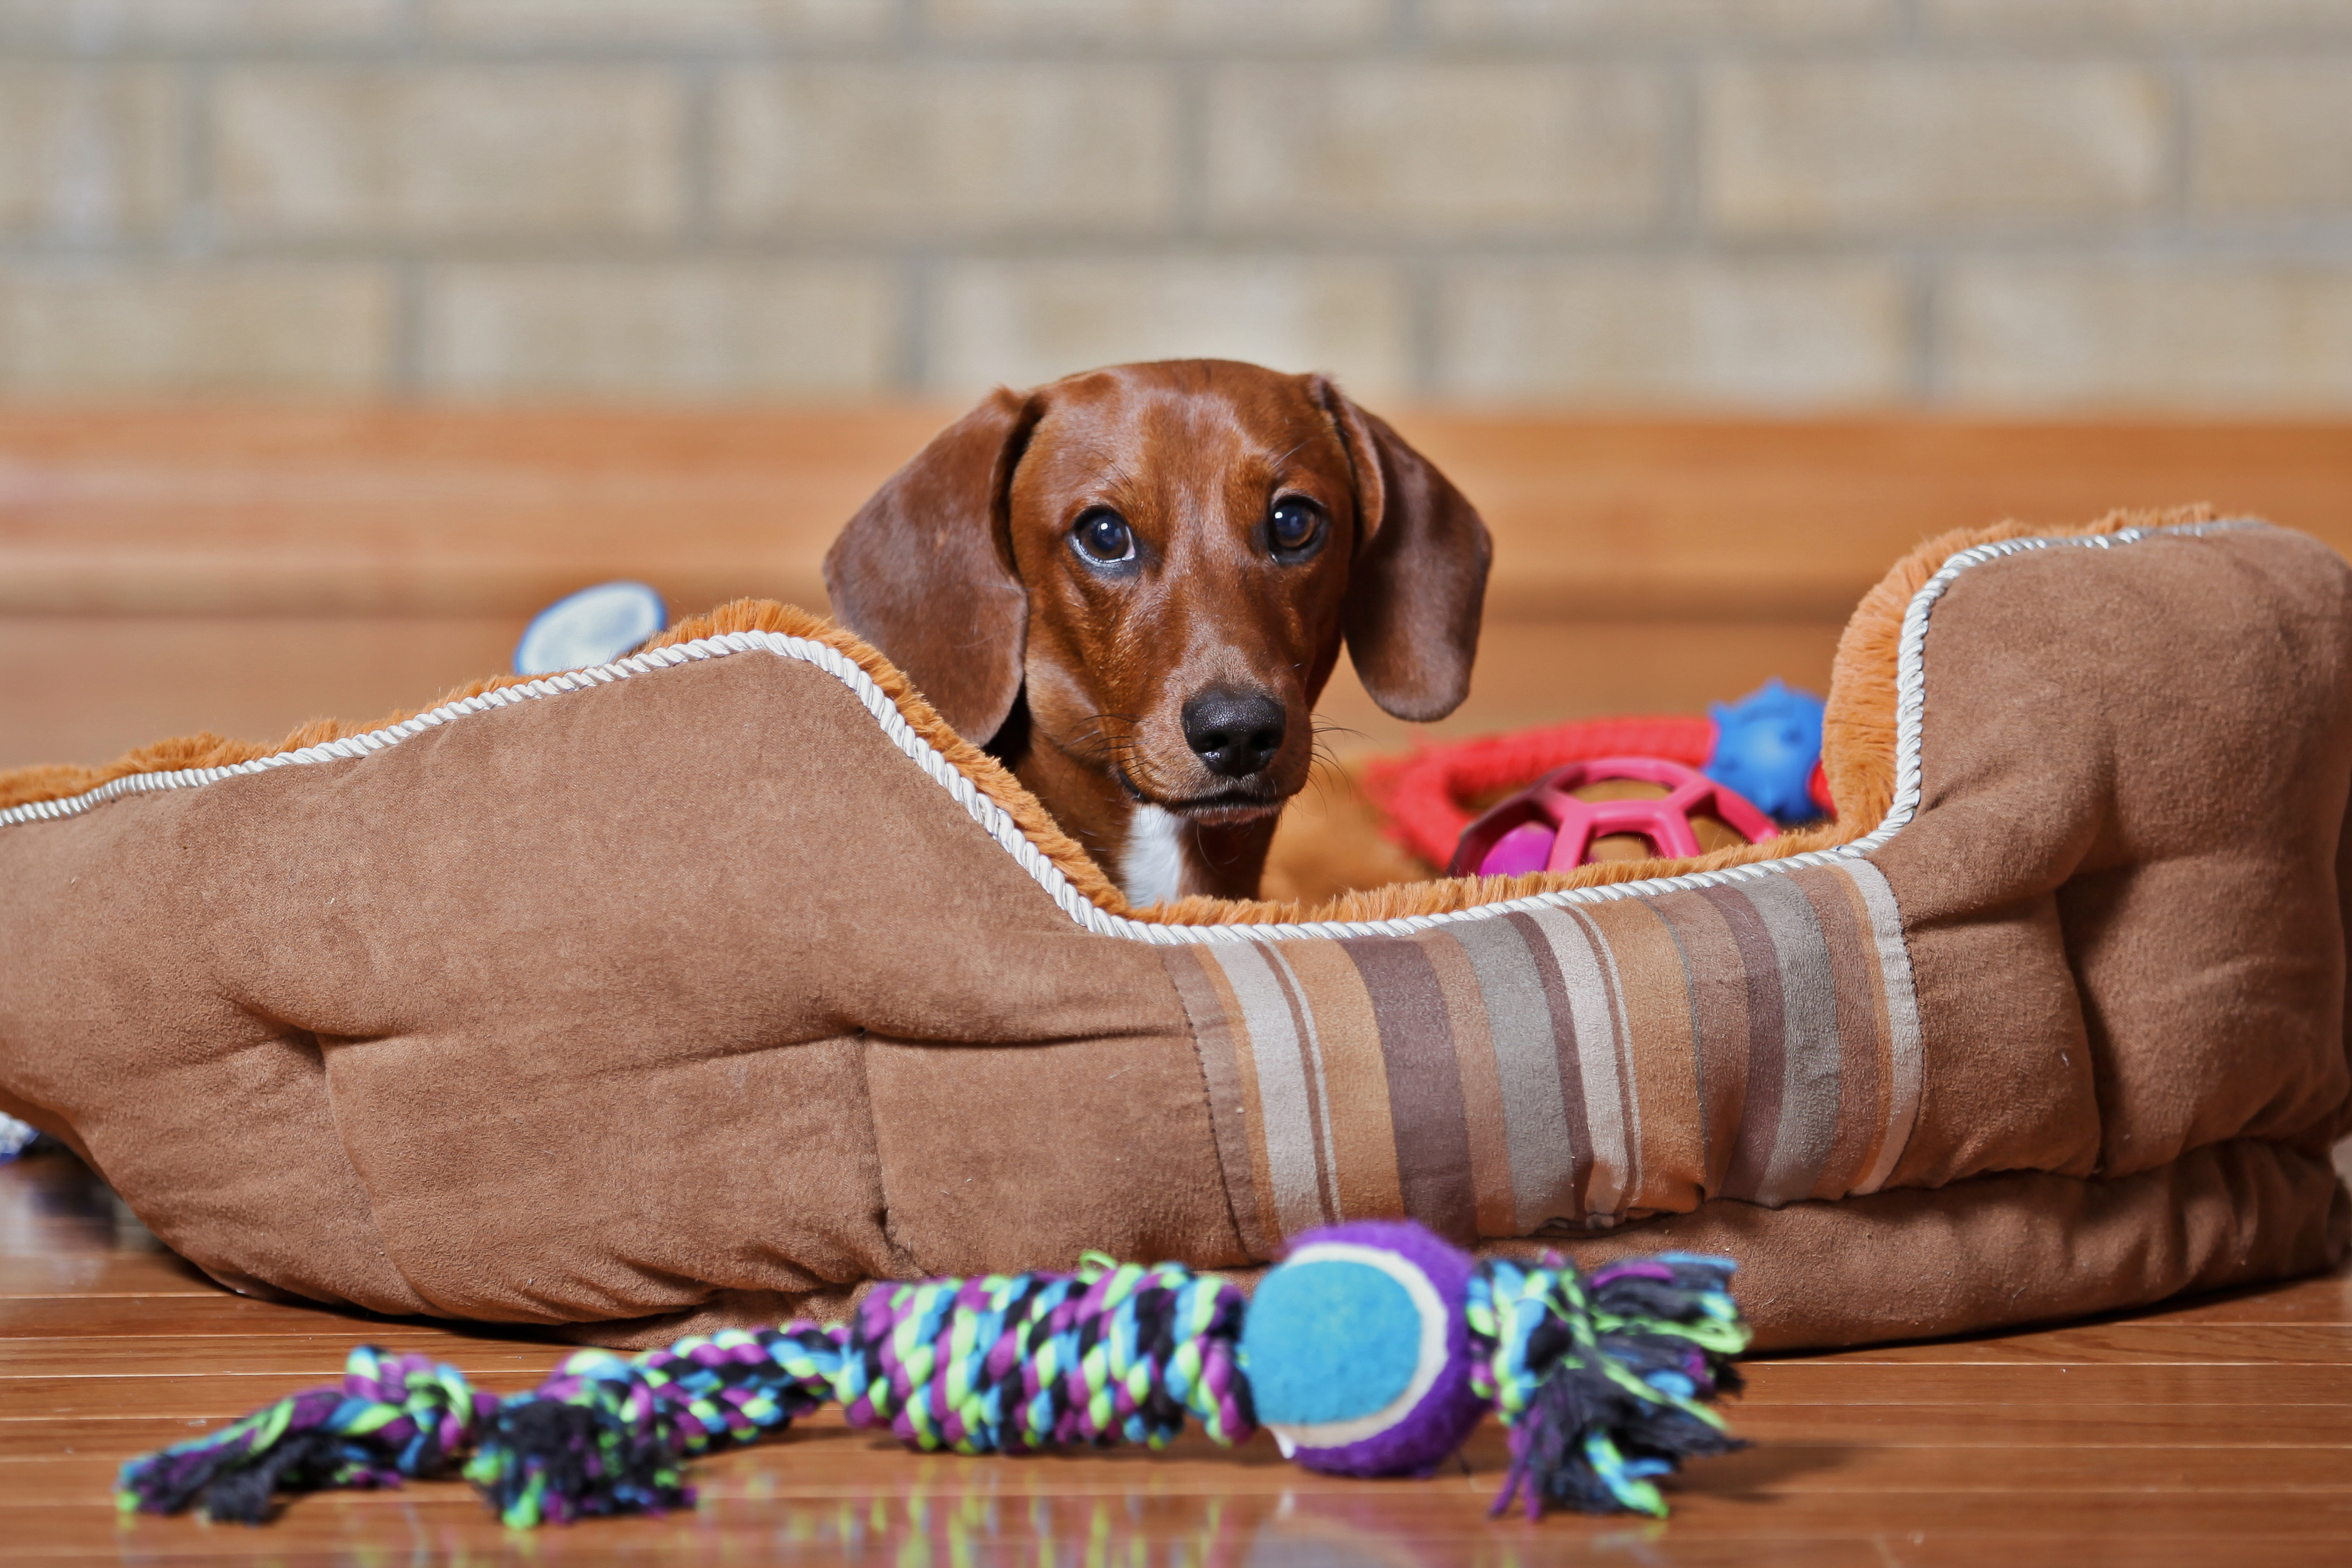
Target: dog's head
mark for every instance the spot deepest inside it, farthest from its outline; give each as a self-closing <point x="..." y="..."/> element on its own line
<point x="1163" y="559"/>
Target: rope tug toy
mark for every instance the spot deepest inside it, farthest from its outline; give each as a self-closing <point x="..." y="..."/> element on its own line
<point x="1372" y="1350"/>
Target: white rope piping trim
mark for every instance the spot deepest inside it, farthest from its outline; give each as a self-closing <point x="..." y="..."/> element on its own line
<point x="1910" y="686"/>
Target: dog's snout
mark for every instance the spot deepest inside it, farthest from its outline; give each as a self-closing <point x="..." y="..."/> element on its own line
<point x="1236" y="734"/>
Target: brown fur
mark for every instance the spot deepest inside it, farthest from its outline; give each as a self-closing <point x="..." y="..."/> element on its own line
<point x="1084" y="671"/>
<point x="1858" y="752"/>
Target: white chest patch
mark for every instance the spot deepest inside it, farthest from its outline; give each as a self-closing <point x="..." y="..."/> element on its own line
<point x="1151" y="869"/>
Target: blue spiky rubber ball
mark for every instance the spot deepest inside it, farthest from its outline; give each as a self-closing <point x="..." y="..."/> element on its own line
<point x="1358" y="1356"/>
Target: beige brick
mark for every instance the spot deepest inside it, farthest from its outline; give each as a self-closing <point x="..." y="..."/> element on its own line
<point x="1020" y="323"/>
<point x="87" y="153"/>
<point x="1699" y="20"/>
<point x="494" y="149"/>
<point x="1434" y="148"/>
<point x="1771" y="334"/>
<point x="93" y="24"/>
<point x="2179" y="335"/>
<point x="658" y="21"/>
<point x="2275" y="140"/>
<point x="1221" y="22"/>
<point x="2129" y="21"/>
<point x="167" y="331"/>
<point x="1822" y="148"/>
<point x="926" y="149"/>
<point x="680" y="330"/>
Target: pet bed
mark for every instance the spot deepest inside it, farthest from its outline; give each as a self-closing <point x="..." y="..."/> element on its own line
<point x="704" y="987"/>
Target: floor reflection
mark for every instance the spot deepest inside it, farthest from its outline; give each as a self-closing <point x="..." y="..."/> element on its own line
<point x="919" y="1530"/>
<point x="54" y="1204"/>
<point x="904" y="1531"/>
<point x="821" y="1493"/>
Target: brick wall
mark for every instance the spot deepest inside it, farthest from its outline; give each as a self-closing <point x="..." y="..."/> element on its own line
<point x="1755" y="203"/>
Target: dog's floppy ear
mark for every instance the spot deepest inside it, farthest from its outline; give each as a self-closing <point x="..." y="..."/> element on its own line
<point x="1418" y="581"/>
<point x="924" y="571"/>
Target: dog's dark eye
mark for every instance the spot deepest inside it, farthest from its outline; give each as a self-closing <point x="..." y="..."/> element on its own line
<point x="1103" y="536"/>
<point x="1295" y="524"/>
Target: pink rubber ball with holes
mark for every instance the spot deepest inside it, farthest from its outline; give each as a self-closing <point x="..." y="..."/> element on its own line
<point x="1545" y="827"/>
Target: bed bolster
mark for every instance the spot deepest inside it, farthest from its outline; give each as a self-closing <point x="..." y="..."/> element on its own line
<point x="707" y="991"/>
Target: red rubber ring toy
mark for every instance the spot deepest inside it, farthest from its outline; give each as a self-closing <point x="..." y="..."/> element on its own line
<point x="1424" y="795"/>
<point x="1545" y="827"/>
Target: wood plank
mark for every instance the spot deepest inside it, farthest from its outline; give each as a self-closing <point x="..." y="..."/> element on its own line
<point x="37" y="1439"/>
<point x="2071" y="1423"/>
<point x="2248" y="1426"/>
<point x="242" y="571"/>
<point x="1904" y="1548"/>
<point x="220" y="1313"/>
<point x="2165" y="1340"/>
<point x="484" y="512"/>
<point x="1542" y="672"/>
<point x="413" y="512"/>
<point x="1838" y="1380"/>
<point x="1785" y="1470"/>
<point x="83" y="1275"/>
<point x="2323" y="1299"/>
<point x="300" y="1359"/>
<point x="111" y="683"/>
<point x="114" y="682"/>
<point x="1446" y="1509"/>
<point x="1273" y="1541"/>
<point x="956" y="1531"/>
<point x="1047" y="1506"/>
<point x="1612" y="516"/>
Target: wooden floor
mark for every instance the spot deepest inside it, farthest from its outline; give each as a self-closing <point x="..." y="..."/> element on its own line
<point x="2216" y="1432"/>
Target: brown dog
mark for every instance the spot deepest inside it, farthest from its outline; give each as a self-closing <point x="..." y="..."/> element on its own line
<point x="1132" y="585"/>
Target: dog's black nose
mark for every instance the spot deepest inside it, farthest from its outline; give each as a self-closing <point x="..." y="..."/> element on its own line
<point x="1235" y="732"/>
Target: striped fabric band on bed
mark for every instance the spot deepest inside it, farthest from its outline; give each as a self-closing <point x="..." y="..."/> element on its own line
<point x="1579" y="1065"/>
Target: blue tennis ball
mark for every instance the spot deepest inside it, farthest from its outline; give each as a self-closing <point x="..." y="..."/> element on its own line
<point x="1357" y="1358"/>
<point x="1329" y="1339"/>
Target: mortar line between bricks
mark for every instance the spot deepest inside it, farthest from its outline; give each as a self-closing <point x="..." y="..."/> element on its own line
<point x="2313" y="242"/>
<point x="698" y="173"/>
<point x="404" y="367"/>
<point x="1684" y="214"/>
<point x="918" y="305"/>
<point x="427" y="52"/>
<point x="1923" y="283"/>
<point x="1423" y="327"/>
<point x="193" y="224"/>
<point x="1189" y="202"/>
<point x="2319" y="244"/>
<point x="2184" y="82"/>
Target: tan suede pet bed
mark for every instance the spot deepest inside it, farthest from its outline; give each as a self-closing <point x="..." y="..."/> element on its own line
<point x="712" y="983"/>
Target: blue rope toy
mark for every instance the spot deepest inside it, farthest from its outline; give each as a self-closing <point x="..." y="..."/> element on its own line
<point x="1373" y="1349"/>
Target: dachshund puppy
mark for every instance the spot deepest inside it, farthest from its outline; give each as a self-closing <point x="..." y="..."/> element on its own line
<point x="1130" y="586"/>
